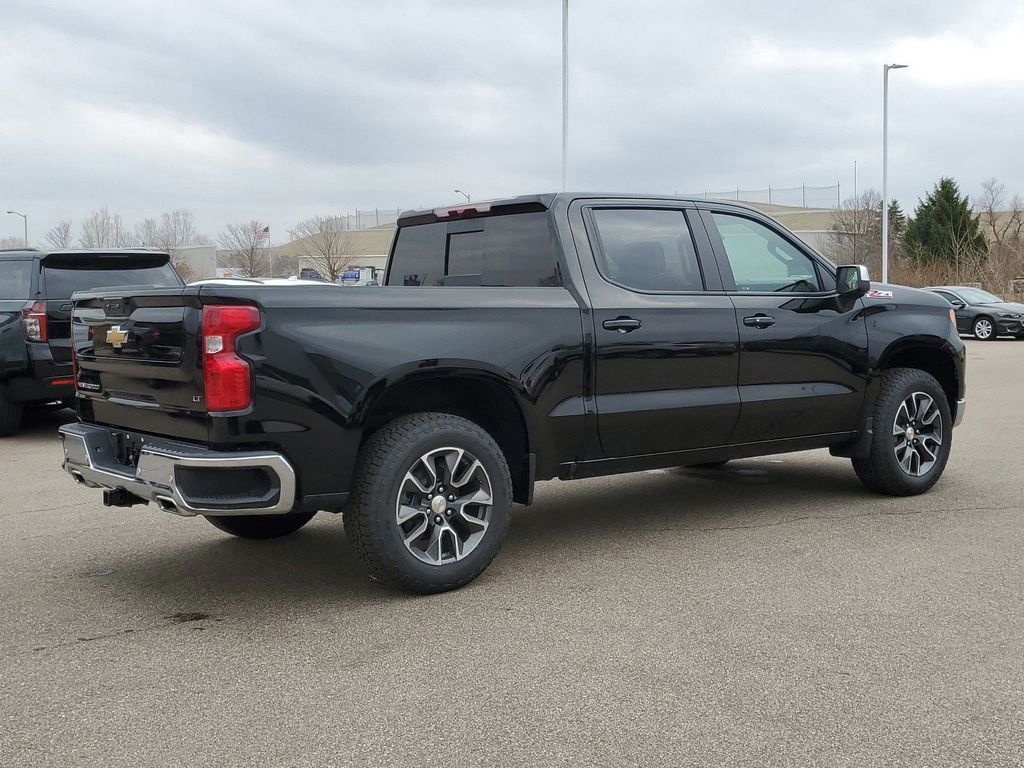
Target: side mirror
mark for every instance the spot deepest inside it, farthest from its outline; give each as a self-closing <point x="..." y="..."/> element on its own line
<point x="957" y="304"/>
<point x="853" y="281"/>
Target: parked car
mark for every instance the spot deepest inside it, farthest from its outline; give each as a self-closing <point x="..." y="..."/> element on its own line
<point x="257" y="281"/>
<point x="981" y="313"/>
<point x="35" y="317"/>
<point x="518" y="340"/>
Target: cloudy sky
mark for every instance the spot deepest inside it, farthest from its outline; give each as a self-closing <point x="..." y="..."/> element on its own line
<point x="275" y="111"/>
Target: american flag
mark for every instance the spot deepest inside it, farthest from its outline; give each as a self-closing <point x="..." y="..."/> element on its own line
<point x="263" y="235"/>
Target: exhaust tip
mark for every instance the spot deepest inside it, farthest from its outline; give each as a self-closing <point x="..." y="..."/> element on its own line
<point x="167" y="504"/>
<point x="77" y="477"/>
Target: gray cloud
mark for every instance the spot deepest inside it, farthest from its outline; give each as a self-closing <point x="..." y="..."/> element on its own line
<point x="240" y="110"/>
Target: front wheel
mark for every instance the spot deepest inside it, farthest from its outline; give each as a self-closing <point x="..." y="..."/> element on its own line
<point x="430" y="503"/>
<point x="260" y="526"/>
<point x="984" y="329"/>
<point x="911" y="435"/>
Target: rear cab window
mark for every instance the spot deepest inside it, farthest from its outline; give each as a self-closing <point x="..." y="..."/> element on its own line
<point x="16" y="278"/>
<point x="65" y="274"/>
<point x="508" y="251"/>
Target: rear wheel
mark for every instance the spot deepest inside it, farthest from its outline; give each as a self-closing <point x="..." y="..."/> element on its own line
<point x="10" y="416"/>
<point x="911" y="436"/>
<point x="431" y="502"/>
<point x="260" y="526"/>
<point x="984" y="329"/>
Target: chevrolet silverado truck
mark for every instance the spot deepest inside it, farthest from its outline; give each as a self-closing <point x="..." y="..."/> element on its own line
<point x="545" y="336"/>
<point x="35" y="317"/>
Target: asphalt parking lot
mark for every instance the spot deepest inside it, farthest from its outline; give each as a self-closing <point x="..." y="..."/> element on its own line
<point x="772" y="613"/>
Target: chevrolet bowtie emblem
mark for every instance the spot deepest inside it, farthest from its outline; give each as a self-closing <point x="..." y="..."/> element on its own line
<point x="116" y="337"/>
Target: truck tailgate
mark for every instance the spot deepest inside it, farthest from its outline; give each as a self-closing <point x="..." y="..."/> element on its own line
<point x="138" y="360"/>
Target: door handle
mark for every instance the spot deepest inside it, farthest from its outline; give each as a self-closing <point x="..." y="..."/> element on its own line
<point x="621" y="324"/>
<point x="759" y="321"/>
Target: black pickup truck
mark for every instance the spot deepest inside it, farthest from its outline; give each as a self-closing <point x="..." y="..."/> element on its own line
<point x="545" y="336"/>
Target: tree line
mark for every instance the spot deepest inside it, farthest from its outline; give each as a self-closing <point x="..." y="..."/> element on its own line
<point x="949" y="238"/>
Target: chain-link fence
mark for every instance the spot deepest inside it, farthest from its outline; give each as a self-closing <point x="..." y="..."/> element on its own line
<point x="374" y="217"/>
<point x="803" y="196"/>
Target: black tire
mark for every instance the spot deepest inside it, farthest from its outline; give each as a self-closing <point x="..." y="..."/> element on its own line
<point x="260" y="526"/>
<point x="881" y="471"/>
<point x="371" y="522"/>
<point x="10" y="416"/>
<point x="982" y="321"/>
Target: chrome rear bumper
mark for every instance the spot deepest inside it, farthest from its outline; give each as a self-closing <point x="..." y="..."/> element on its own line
<point x="181" y="478"/>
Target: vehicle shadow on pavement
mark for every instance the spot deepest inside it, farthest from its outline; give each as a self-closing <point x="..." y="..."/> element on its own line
<point x="40" y="421"/>
<point x="209" y="572"/>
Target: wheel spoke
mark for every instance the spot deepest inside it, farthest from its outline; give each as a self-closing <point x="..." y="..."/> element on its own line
<point x="467" y="475"/>
<point x="451" y="460"/>
<point x="417" y="532"/>
<point x="407" y="512"/>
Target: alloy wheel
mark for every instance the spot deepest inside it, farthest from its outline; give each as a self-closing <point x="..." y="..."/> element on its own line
<point x="444" y="506"/>
<point x="983" y="329"/>
<point x="917" y="434"/>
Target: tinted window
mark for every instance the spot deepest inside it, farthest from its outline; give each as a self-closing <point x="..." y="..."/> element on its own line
<point x="646" y="249"/>
<point x="761" y="260"/>
<point x="15" y="279"/>
<point x="500" y="251"/>
<point x="64" y="277"/>
<point x="978" y="296"/>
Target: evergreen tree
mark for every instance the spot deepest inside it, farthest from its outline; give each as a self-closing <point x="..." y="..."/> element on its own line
<point x="943" y="227"/>
<point x="897" y="220"/>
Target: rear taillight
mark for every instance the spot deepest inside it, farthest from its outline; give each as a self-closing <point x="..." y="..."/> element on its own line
<point x="226" y="376"/>
<point x="33" y="319"/>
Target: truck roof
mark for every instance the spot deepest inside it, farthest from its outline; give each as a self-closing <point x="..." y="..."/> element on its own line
<point x="543" y="201"/>
<point x="35" y="253"/>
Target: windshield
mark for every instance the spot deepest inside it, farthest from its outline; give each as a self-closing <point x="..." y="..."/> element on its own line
<point x="977" y="296"/>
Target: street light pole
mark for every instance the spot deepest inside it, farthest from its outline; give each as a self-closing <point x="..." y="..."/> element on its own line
<point x="885" y="167"/>
<point x="565" y="89"/>
<point x="463" y="194"/>
<point x="24" y="220"/>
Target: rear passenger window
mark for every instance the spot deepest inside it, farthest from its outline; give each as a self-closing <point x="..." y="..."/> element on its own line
<point x="15" y="279"/>
<point x="516" y="250"/>
<point x="647" y="249"/>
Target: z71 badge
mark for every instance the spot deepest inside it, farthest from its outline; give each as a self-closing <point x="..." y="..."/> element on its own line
<point x="878" y="294"/>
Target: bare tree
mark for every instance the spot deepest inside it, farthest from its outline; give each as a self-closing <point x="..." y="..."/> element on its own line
<point x="1004" y="226"/>
<point x="857" y="230"/>
<point x="11" y="242"/>
<point x="147" y="233"/>
<point x="325" y="245"/>
<point x="243" y="242"/>
<point x="103" y="230"/>
<point x="60" y="236"/>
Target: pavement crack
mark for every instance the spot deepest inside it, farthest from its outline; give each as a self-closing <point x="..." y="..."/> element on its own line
<point x="185" y="617"/>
